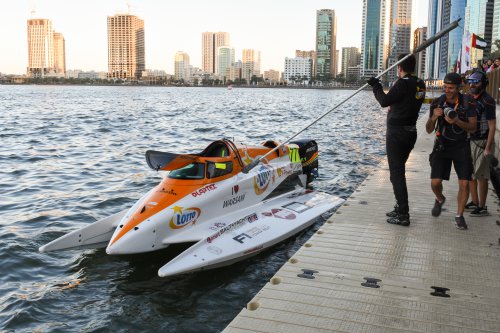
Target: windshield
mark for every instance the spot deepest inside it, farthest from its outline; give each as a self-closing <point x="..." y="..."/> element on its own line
<point x="190" y="171"/>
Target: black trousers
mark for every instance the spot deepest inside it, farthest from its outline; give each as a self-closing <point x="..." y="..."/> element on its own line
<point x="400" y="140"/>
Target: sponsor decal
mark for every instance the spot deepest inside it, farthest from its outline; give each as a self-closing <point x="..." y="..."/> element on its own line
<point x="170" y="191"/>
<point x="184" y="217"/>
<point x="214" y="250"/>
<point x="249" y="218"/>
<point x="312" y="148"/>
<point x="255" y="249"/>
<point x="203" y="190"/>
<point x="233" y="201"/>
<point x="241" y="238"/>
<point x="299" y="193"/>
<point x="254" y="231"/>
<point x="281" y="214"/>
<point x="262" y="179"/>
<point x="297" y="207"/>
<point x="217" y="226"/>
<point x="284" y="171"/>
<point x="235" y="189"/>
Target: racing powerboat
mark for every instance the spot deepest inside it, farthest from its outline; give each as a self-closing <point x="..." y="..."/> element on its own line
<point x="210" y="199"/>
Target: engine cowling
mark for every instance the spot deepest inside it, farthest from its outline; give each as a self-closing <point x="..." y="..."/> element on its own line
<point x="308" y="152"/>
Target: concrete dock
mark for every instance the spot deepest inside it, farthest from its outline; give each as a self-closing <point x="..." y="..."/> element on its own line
<point x="324" y="286"/>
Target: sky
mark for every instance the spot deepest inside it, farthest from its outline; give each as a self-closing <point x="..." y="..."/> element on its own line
<point x="275" y="27"/>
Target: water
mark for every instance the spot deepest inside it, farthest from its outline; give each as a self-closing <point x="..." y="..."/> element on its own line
<point x="70" y="155"/>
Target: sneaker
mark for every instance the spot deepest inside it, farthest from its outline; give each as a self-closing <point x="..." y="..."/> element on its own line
<point x="394" y="212"/>
<point x="460" y="223"/>
<point x="470" y="206"/>
<point x="436" y="210"/>
<point x="479" y="211"/>
<point x="401" y="219"/>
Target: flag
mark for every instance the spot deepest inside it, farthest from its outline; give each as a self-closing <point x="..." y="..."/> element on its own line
<point x="478" y="42"/>
<point x="464" y="57"/>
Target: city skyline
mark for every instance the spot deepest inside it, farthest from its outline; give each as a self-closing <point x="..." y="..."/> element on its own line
<point x="277" y="30"/>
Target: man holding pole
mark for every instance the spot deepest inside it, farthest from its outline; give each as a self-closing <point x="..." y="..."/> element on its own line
<point x="404" y="100"/>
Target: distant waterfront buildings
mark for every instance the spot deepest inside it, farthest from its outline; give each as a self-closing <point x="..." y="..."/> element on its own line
<point x="350" y="58"/>
<point x="479" y="20"/>
<point x="46" y="53"/>
<point x="210" y="43"/>
<point x="181" y="66"/>
<point x="374" y="37"/>
<point x="308" y="54"/>
<point x="495" y="31"/>
<point x="326" y="44"/>
<point x="226" y="59"/>
<point x="443" y="54"/>
<point x="419" y="36"/>
<point x="250" y="64"/>
<point x="400" y="32"/>
<point x="272" y="76"/>
<point x="126" y="48"/>
<point x="297" y="69"/>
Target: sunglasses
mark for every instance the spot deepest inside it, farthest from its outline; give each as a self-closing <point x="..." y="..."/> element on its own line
<point x="474" y="81"/>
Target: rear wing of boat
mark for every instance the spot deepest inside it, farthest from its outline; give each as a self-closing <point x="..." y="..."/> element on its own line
<point x="158" y="160"/>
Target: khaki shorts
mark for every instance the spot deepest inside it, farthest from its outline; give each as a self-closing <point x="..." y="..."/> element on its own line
<point x="480" y="164"/>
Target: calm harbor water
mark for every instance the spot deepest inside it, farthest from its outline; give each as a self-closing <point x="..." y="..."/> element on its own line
<point x="70" y="155"/>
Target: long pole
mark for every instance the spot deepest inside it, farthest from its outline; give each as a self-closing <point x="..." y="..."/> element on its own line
<point x="420" y="48"/>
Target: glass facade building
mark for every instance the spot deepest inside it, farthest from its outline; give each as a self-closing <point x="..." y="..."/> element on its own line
<point x="326" y="40"/>
<point x="374" y="37"/>
<point x="443" y="54"/>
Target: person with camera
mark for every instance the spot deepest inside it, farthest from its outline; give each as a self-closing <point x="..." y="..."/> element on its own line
<point x="481" y="144"/>
<point x="404" y="100"/>
<point x="452" y="116"/>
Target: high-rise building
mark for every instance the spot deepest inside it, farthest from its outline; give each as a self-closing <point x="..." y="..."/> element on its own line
<point x="225" y="58"/>
<point x="45" y="49"/>
<point x="126" y="48"/>
<point x="495" y="32"/>
<point x="59" y="53"/>
<point x="250" y="64"/>
<point x="479" y="20"/>
<point x="307" y="54"/>
<point x="350" y="58"/>
<point x="180" y="65"/>
<point x="210" y="43"/>
<point x="442" y="56"/>
<point x="400" y="32"/>
<point x="326" y="44"/>
<point x="374" y="37"/>
<point x="419" y="36"/>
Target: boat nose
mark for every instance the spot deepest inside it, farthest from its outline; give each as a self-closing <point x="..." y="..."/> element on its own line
<point x="141" y="238"/>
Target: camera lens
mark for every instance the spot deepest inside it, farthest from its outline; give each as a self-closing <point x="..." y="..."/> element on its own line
<point x="450" y="112"/>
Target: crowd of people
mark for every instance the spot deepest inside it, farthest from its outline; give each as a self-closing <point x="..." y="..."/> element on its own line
<point x="463" y="125"/>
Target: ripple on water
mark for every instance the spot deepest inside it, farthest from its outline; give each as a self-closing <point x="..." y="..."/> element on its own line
<point x="72" y="155"/>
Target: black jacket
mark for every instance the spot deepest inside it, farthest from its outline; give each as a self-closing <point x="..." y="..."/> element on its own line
<point x="404" y="100"/>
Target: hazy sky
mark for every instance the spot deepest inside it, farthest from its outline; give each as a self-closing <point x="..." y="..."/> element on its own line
<point x="275" y="27"/>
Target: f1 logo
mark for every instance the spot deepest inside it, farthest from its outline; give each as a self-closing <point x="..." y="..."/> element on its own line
<point x="241" y="237"/>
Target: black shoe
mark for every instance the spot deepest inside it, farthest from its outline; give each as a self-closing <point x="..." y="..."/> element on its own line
<point x="479" y="211"/>
<point x="460" y="223"/>
<point x="436" y="210"/>
<point x="401" y="219"/>
<point x="471" y="206"/>
<point x="394" y="212"/>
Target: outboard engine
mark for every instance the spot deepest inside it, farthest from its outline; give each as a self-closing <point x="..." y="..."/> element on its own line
<point x="308" y="152"/>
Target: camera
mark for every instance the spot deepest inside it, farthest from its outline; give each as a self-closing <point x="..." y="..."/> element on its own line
<point x="492" y="160"/>
<point x="450" y="112"/>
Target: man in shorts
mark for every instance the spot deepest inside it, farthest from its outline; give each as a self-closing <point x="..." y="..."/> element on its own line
<point x="452" y="116"/>
<point x="481" y="144"/>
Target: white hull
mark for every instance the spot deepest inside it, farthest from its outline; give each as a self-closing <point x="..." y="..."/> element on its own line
<point x="268" y="224"/>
